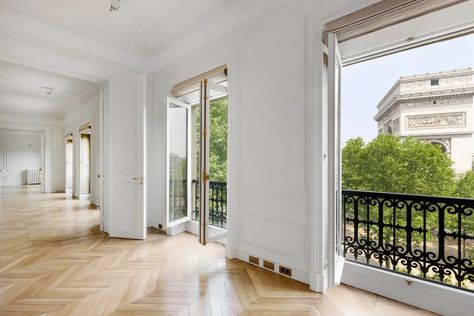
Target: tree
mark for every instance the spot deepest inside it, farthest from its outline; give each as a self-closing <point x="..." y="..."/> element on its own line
<point x="217" y="139"/>
<point x="465" y="189"/>
<point x="390" y="164"/>
<point x="465" y="186"/>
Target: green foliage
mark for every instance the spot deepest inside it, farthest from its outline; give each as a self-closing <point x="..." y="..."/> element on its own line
<point x="218" y="140"/>
<point x="389" y="164"/>
<point x="465" y="186"/>
<point x="465" y="189"/>
<point x="411" y="166"/>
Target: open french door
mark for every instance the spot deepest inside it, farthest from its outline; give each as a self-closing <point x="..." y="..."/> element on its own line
<point x="209" y="91"/>
<point x="178" y="165"/>
<point x="188" y="148"/>
<point x="335" y="259"/>
<point x="125" y="157"/>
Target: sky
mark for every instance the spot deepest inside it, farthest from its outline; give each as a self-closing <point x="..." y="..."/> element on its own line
<point x="366" y="83"/>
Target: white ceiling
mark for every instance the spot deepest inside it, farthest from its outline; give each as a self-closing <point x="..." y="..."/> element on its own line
<point x="51" y="42"/>
<point x="21" y="92"/>
<point x="83" y="39"/>
<point x="141" y="26"/>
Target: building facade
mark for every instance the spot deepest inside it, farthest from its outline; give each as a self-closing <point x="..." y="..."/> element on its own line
<point x="436" y="107"/>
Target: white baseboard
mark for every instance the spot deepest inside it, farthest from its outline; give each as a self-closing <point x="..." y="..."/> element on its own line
<point x="176" y="229"/>
<point x="434" y="297"/>
<point x="153" y="223"/>
<point x="318" y="281"/>
<point x="84" y="196"/>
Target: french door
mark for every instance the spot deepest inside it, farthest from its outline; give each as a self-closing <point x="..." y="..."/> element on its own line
<point x="336" y="259"/>
<point x="188" y="148"/>
<point x="178" y="164"/>
<point x="209" y="91"/>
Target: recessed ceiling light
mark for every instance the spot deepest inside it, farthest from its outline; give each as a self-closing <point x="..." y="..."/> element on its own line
<point x="48" y="90"/>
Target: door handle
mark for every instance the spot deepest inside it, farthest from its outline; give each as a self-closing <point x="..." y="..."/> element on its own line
<point x="140" y="179"/>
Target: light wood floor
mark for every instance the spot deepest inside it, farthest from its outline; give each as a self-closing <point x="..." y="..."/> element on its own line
<point x="54" y="261"/>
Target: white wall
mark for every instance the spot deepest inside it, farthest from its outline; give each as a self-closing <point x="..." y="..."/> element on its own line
<point x="19" y="151"/>
<point x="278" y="135"/>
<point x="88" y="113"/>
<point x="54" y="171"/>
<point x="269" y="128"/>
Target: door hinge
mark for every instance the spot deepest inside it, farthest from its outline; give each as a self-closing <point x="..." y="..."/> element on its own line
<point x="205" y="177"/>
<point x="204" y="131"/>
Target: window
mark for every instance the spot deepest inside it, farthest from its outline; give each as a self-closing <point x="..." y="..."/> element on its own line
<point x="435" y="82"/>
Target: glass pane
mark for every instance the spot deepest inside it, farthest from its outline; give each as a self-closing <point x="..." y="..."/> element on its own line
<point x="178" y="162"/>
<point x="218" y="160"/>
<point x="337" y="107"/>
<point x="195" y="159"/>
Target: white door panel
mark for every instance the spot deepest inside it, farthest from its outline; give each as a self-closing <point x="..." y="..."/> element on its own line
<point x="125" y="167"/>
<point x="336" y="260"/>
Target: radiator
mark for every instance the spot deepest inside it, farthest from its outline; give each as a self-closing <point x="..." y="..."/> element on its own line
<point x="33" y="176"/>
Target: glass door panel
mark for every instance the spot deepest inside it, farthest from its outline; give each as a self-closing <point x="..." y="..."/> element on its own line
<point x="178" y="162"/>
<point x="211" y="201"/>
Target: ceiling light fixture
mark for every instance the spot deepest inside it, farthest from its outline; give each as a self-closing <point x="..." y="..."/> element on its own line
<point x="114" y="5"/>
<point x="48" y="90"/>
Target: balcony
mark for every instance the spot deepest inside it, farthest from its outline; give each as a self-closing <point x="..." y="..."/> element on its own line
<point x="426" y="237"/>
<point x="217" y="203"/>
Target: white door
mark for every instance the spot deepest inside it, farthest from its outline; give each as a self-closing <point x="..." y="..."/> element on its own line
<point x="336" y="259"/>
<point x="178" y="164"/>
<point x="125" y="157"/>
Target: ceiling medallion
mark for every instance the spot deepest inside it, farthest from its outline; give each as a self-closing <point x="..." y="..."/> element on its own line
<point x="114" y="5"/>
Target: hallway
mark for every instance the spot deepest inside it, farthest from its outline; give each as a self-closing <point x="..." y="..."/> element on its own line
<point x="54" y="261"/>
<point x="27" y="215"/>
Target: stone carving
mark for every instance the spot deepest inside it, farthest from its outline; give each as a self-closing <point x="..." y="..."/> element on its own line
<point x="396" y="126"/>
<point x="438" y="101"/>
<point x="437" y="120"/>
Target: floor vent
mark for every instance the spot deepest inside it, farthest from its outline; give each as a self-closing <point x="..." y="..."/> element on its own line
<point x="268" y="265"/>
<point x="254" y="260"/>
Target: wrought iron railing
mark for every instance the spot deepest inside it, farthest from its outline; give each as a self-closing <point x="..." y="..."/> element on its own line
<point x="426" y="237"/>
<point x="217" y="203"/>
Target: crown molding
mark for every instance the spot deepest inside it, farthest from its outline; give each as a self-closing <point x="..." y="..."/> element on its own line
<point x="38" y="44"/>
<point x="233" y="16"/>
<point x="7" y="121"/>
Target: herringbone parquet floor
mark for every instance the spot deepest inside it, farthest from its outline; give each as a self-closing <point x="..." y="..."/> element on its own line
<point x="54" y="261"/>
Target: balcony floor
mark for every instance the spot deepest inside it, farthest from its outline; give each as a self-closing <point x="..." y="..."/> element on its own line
<point x="54" y="261"/>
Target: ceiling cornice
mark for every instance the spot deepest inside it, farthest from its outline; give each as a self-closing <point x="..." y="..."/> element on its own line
<point x="229" y="18"/>
<point x="35" y="43"/>
<point x="10" y="120"/>
<point x="38" y="44"/>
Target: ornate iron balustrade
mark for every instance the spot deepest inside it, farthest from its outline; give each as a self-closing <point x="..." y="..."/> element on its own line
<point x="217" y="203"/>
<point x="426" y="237"/>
